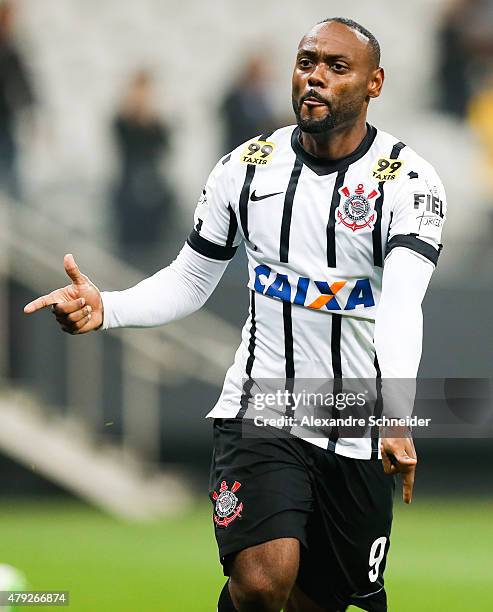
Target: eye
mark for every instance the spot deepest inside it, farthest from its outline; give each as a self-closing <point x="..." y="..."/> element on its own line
<point x="304" y="63"/>
<point x="338" y="67"/>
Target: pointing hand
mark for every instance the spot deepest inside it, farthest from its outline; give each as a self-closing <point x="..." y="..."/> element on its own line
<point x="399" y="457"/>
<point x="78" y="307"/>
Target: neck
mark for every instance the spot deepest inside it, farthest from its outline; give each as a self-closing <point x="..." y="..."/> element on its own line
<point x="336" y="143"/>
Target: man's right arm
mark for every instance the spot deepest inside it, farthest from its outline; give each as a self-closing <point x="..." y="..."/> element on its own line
<point x="171" y="294"/>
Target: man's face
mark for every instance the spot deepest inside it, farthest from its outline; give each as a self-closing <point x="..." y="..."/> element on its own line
<point x="333" y="79"/>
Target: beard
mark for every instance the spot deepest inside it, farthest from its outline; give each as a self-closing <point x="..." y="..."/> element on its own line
<point x="346" y="113"/>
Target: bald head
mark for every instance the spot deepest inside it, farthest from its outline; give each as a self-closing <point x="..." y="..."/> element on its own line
<point x="364" y="35"/>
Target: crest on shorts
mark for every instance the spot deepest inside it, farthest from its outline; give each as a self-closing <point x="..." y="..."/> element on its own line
<point x="356" y="211"/>
<point x="227" y="508"/>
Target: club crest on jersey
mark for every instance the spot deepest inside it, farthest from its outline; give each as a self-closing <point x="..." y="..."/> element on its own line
<point x="227" y="508"/>
<point x="356" y="211"/>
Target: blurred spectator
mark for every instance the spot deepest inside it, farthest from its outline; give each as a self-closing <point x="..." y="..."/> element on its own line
<point x="481" y="118"/>
<point x="246" y="110"/>
<point x="466" y="74"/>
<point x="16" y="94"/>
<point x="454" y="86"/>
<point x="143" y="200"/>
<point x="465" y="52"/>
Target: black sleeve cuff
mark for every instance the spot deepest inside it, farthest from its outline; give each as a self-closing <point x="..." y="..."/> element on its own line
<point x="412" y="242"/>
<point x="210" y="249"/>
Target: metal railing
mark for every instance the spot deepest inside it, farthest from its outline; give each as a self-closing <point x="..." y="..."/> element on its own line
<point x="199" y="348"/>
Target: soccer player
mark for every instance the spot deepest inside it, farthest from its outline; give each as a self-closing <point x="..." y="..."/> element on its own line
<point x="341" y="223"/>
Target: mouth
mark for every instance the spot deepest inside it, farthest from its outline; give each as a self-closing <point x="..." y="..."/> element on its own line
<point x="312" y="102"/>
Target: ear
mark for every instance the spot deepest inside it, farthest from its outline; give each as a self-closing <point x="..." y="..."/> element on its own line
<point x="375" y="84"/>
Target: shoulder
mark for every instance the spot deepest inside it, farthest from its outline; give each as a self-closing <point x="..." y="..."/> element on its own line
<point x="398" y="164"/>
<point x="260" y="150"/>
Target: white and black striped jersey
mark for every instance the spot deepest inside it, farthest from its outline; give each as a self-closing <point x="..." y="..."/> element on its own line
<point x="316" y="233"/>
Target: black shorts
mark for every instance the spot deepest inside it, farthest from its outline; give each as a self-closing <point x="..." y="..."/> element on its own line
<point x="279" y="486"/>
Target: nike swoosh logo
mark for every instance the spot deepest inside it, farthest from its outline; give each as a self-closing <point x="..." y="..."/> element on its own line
<point x="256" y="198"/>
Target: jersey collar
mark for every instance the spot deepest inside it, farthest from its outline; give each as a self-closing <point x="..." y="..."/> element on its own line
<point x="326" y="166"/>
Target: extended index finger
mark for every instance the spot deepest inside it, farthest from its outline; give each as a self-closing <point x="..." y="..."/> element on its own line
<point x="39" y="303"/>
<point x="408" y="485"/>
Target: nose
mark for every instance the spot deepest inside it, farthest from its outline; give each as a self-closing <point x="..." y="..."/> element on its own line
<point x="318" y="76"/>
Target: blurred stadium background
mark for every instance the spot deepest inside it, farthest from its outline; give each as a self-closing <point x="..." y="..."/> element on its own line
<point x="114" y="112"/>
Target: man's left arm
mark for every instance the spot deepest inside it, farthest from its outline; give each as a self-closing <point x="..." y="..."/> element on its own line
<point x="414" y="244"/>
<point x="398" y="342"/>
